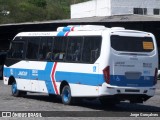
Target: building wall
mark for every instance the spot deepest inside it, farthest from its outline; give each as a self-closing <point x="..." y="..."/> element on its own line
<point x="111" y="7"/>
<point x="120" y="7"/>
<point x="103" y="7"/>
<point x="91" y="8"/>
<point x="85" y="9"/>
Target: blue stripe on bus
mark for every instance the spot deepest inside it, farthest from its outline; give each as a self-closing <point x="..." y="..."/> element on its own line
<point x="80" y="78"/>
<point x="46" y="76"/>
<point x="121" y="80"/>
<point x="66" y="29"/>
<point x="97" y="79"/>
<point x="61" y="33"/>
<point x="76" y="78"/>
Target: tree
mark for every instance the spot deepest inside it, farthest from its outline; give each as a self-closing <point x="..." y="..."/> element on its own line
<point x="34" y="10"/>
<point x="38" y="3"/>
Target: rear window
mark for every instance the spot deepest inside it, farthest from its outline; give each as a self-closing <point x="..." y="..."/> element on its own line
<point x="132" y="44"/>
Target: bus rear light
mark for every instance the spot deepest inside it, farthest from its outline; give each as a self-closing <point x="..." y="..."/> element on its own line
<point x="155" y="76"/>
<point x="106" y="74"/>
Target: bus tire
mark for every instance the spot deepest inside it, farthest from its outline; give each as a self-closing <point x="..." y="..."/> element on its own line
<point x="66" y="95"/>
<point x="15" y="91"/>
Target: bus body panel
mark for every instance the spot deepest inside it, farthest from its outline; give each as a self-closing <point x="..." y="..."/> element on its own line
<point x="134" y="69"/>
<point x="139" y="72"/>
<point x="130" y="72"/>
<point x="110" y="90"/>
<point x="41" y="79"/>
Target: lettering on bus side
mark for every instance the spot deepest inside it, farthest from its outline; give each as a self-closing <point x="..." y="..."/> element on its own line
<point x="123" y="64"/>
<point x="11" y="71"/>
<point x="94" y="68"/>
<point x="34" y="72"/>
<point x="22" y="73"/>
<point x="147" y="65"/>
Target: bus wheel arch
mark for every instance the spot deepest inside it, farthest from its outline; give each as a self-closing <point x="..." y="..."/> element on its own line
<point x="14" y="91"/>
<point x="63" y="83"/>
<point x="11" y="80"/>
<point x="65" y="93"/>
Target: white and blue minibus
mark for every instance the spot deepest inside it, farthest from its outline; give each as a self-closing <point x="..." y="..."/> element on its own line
<point x="84" y="61"/>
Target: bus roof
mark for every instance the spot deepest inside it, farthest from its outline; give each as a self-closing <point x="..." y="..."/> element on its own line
<point x="79" y="30"/>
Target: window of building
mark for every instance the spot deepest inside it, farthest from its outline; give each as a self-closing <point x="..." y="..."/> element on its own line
<point x="156" y="11"/>
<point x="140" y="11"/>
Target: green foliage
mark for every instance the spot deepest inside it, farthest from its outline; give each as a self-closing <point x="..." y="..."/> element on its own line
<point x="15" y="11"/>
<point x="38" y="3"/>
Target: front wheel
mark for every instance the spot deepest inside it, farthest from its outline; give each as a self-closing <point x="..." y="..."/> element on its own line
<point x="66" y="95"/>
<point x="15" y="91"/>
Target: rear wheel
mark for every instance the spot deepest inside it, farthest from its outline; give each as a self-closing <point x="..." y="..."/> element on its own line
<point x="66" y="95"/>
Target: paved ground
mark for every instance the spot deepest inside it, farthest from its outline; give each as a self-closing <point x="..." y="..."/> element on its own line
<point x="41" y="102"/>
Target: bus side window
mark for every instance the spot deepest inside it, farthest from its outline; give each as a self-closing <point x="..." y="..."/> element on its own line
<point x="17" y="49"/>
<point x="77" y="53"/>
<point x="91" y="49"/>
<point x="94" y="55"/>
<point x="45" y="49"/>
<point x="74" y="50"/>
<point x="32" y="49"/>
<point x="59" y="48"/>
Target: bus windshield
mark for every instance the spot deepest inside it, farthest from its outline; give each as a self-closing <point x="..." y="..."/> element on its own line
<point x="132" y="44"/>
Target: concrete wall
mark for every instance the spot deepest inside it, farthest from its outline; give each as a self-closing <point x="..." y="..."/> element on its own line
<point x="111" y="7"/>
<point x="103" y="7"/>
<point x="91" y="8"/>
<point x="85" y="9"/>
<point x="120" y="7"/>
